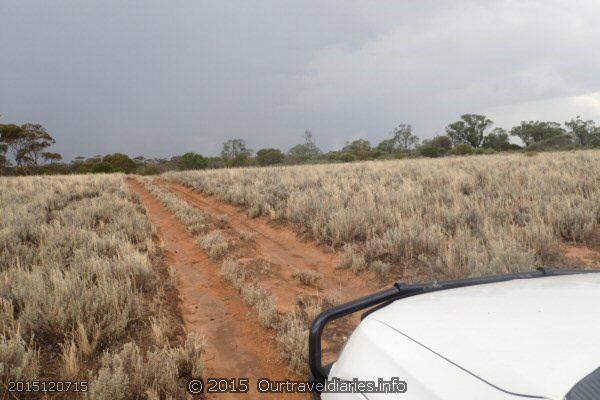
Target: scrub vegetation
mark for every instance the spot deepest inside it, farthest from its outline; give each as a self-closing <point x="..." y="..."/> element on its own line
<point x="85" y="294"/>
<point x="451" y="217"/>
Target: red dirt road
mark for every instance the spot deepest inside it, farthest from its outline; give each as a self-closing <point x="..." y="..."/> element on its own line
<point x="237" y="346"/>
<point x="282" y="247"/>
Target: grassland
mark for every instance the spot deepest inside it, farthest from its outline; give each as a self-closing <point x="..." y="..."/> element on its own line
<point x="84" y="294"/>
<point x="452" y="217"/>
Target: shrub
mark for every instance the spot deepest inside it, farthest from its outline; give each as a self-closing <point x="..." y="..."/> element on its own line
<point x="308" y="277"/>
<point x="214" y="244"/>
<point x="463" y="149"/>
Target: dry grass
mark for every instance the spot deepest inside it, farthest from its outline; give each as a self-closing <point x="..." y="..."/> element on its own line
<point x="308" y="277"/>
<point x="454" y="217"/>
<point x="215" y="244"/>
<point x="77" y="283"/>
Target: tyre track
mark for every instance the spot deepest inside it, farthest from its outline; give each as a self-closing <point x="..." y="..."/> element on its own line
<point x="236" y="344"/>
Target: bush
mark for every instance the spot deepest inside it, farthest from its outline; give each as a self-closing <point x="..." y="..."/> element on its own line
<point x="191" y="161"/>
<point x="103" y="167"/>
<point x="266" y="157"/>
<point x="431" y="151"/>
<point x="120" y="161"/>
<point x="463" y="149"/>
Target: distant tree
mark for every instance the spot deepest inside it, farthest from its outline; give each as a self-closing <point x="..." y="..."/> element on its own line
<point x="3" y="159"/>
<point x="497" y="139"/>
<point x="387" y="146"/>
<point x="269" y="157"/>
<point x="241" y="160"/>
<point x="582" y="132"/>
<point x="463" y="149"/>
<point x="120" y="162"/>
<point x="306" y="151"/>
<point x="536" y="131"/>
<point x="404" y="138"/>
<point x="51" y="157"/>
<point x="191" y="160"/>
<point x="103" y="167"/>
<point x="469" y="130"/>
<point x="360" y="148"/>
<point x="26" y="142"/>
<point x="436" y="147"/>
<point x="234" y="148"/>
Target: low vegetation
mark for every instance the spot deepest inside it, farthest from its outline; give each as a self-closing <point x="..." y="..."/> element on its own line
<point x="452" y="217"/>
<point x="291" y="328"/>
<point x="83" y="291"/>
<point x="23" y="149"/>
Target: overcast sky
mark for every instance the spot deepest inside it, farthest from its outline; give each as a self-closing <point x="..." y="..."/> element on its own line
<point x="159" y="78"/>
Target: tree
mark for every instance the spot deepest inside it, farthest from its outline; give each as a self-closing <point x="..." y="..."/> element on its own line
<point x="103" y="167"/>
<point x="269" y="157"/>
<point x="191" y="160"/>
<point x="463" y="149"/>
<point x="26" y="142"/>
<point x="404" y="138"/>
<point x="582" y="132"/>
<point x="51" y="157"/>
<point x="3" y="159"/>
<point x="234" y="148"/>
<point x="120" y="162"/>
<point x="436" y="147"/>
<point x="535" y="131"/>
<point x="387" y="146"/>
<point x="360" y="148"/>
<point x="470" y="130"/>
<point x="497" y="139"/>
<point x="306" y="151"/>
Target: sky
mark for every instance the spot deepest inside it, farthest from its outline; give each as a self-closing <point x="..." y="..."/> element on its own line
<point x="160" y="78"/>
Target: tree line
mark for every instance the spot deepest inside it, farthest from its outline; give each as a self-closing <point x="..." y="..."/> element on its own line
<point x="24" y="148"/>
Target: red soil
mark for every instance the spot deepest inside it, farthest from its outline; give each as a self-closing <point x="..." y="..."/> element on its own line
<point x="237" y="346"/>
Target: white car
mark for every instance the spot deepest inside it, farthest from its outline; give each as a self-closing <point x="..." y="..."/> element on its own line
<point x="521" y="336"/>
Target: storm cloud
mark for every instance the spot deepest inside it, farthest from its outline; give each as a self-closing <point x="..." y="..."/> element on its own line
<point x="159" y="78"/>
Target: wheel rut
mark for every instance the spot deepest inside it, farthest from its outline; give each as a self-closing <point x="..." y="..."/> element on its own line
<point x="237" y="346"/>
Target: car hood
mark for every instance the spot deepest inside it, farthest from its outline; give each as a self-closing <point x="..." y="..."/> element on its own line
<point x="535" y="337"/>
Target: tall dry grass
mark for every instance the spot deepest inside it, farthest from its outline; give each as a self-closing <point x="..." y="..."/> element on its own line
<point x="453" y="216"/>
<point x="76" y="288"/>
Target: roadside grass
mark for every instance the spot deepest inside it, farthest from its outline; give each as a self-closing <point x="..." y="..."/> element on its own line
<point x="451" y="217"/>
<point x="80" y="279"/>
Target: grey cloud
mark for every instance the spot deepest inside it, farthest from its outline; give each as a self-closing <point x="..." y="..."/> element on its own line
<point x="162" y="77"/>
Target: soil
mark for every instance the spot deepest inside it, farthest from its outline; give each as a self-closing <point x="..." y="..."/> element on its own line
<point x="237" y="345"/>
<point x="285" y="253"/>
<point x="581" y="255"/>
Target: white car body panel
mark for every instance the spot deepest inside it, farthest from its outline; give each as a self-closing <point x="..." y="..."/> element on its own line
<point x="535" y="337"/>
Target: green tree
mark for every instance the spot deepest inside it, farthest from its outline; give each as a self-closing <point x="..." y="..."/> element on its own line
<point x="387" y="146"/>
<point x="234" y="148"/>
<point x="497" y="139"/>
<point x="26" y="142"/>
<point x="51" y="157"/>
<point x="404" y="138"/>
<point x="469" y="130"/>
<point x="463" y="149"/>
<point x="191" y="160"/>
<point x="103" y="167"/>
<point x="269" y="157"/>
<point x="436" y="147"/>
<point x="306" y="151"/>
<point x="360" y="148"/>
<point x="120" y="162"/>
<point x="536" y="131"/>
<point x="583" y="133"/>
<point x="241" y="160"/>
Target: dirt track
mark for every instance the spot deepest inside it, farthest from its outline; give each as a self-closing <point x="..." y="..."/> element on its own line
<point x="237" y="345"/>
<point x="282" y="247"/>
